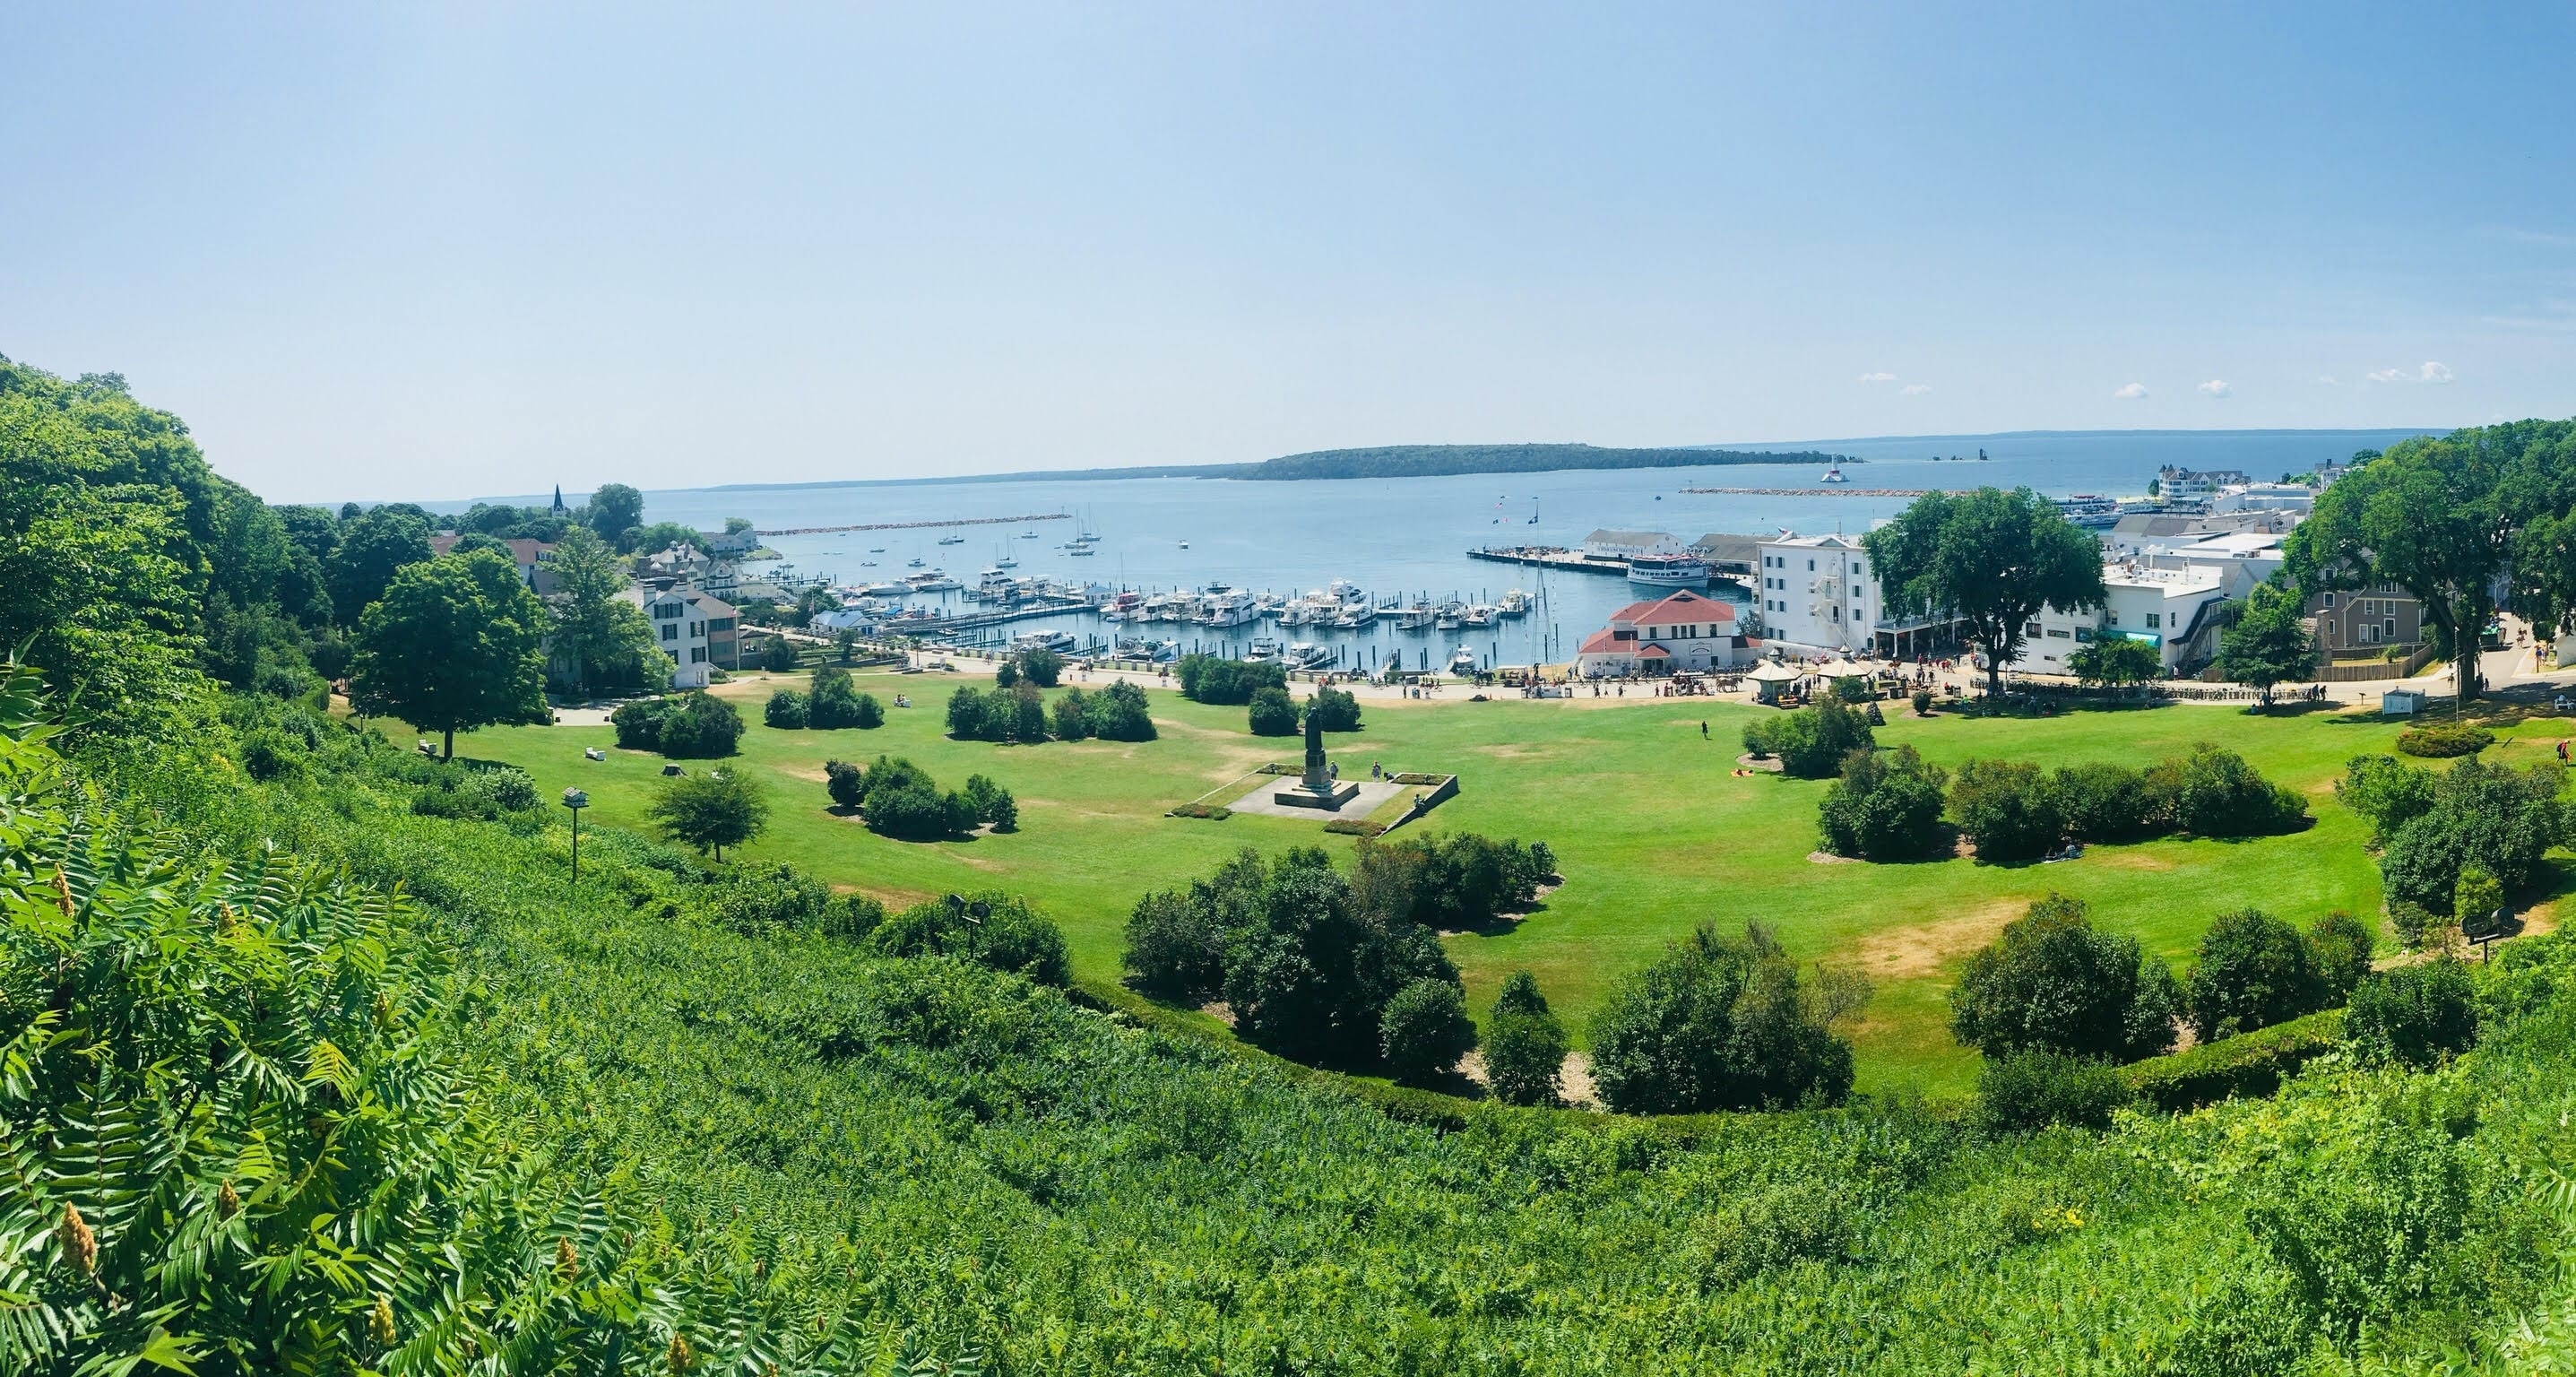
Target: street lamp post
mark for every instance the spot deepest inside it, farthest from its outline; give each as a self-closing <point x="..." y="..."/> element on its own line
<point x="576" y="800"/>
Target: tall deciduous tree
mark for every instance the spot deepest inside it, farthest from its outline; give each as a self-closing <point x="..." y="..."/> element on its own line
<point x="2267" y="645"/>
<point x="453" y="644"/>
<point x="2445" y="519"/>
<point x="373" y="546"/>
<point x="597" y="633"/>
<point x="614" y="510"/>
<point x="2115" y="661"/>
<point x="1989" y="558"/>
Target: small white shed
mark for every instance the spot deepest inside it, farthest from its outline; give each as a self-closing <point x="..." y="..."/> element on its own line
<point x="2401" y="702"/>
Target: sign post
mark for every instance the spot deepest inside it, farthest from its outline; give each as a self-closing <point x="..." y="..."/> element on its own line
<point x="576" y="800"/>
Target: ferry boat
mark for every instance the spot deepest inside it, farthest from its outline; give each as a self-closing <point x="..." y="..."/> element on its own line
<point x="1834" y="475"/>
<point x="1669" y="571"/>
<point x="1353" y="618"/>
<point x="1306" y="655"/>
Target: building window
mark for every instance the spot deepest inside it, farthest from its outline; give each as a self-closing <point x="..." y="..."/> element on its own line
<point x="2155" y="620"/>
<point x="697" y="655"/>
<point x="2115" y="618"/>
<point x="2329" y="601"/>
<point x="2031" y="630"/>
<point x="2392" y="628"/>
<point x="1811" y="566"/>
<point x="671" y="633"/>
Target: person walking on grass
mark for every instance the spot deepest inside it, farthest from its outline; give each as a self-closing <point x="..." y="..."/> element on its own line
<point x="1703" y="731"/>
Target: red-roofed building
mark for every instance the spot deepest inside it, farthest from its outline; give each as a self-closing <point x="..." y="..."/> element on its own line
<point x="1684" y="631"/>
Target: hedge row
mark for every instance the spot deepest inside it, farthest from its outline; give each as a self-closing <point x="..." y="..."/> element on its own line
<point x="2250" y="1064"/>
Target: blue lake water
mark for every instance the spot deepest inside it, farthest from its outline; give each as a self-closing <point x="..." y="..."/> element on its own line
<point x="1409" y="536"/>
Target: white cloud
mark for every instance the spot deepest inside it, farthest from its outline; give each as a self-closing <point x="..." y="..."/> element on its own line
<point x="1877" y="377"/>
<point x="2437" y="372"/>
<point x="1913" y="389"/>
<point x="2132" y="392"/>
<point x="2386" y="375"/>
<point x="2216" y="387"/>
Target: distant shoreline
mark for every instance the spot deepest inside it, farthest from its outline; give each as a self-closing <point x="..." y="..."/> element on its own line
<point x="1381" y="461"/>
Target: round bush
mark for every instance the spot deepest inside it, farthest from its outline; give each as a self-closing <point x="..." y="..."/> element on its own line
<point x="1273" y="713"/>
<point x="786" y="710"/>
<point x="1424" y="1030"/>
<point x="2036" y="1089"/>
<point x="2417" y="1015"/>
<point x="2441" y="741"/>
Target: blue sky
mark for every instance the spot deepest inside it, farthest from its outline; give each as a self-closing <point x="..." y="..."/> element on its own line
<point x="436" y="251"/>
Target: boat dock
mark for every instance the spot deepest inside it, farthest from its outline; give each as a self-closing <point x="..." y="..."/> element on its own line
<point x="1552" y="557"/>
<point x="918" y="525"/>
<point x="977" y="621"/>
<point x="1829" y="492"/>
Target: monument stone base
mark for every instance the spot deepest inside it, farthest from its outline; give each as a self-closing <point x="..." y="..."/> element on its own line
<point x="1329" y="796"/>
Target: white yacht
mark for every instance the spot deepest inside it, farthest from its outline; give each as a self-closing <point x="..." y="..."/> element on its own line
<point x="1418" y="617"/>
<point x="1463" y="662"/>
<point x="1264" y="649"/>
<point x="1834" y="475"/>
<point x="1306" y="655"/>
<point x="1058" y="641"/>
<point x="1669" y="571"/>
<point x="1230" y="608"/>
<point x="1355" y="617"/>
<point x="1516" y="603"/>
<point x="1450" y="617"/>
<point x="1480" y="615"/>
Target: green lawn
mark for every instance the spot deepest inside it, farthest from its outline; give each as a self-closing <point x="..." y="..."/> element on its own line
<point x="1652" y="830"/>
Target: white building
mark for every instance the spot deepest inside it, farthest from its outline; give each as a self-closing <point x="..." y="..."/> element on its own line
<point x="2170" y="609"/>
<point x="699" y="632"/>
<point x="1816" y="592"/>
<point x="2176" y="484"/>
<point x="2242" y="558"/>
<point x="1685" y="631"/>
<point x="2264" y="497"/>
<point x="1630" y="544"/>
<point x="740" y="542"/>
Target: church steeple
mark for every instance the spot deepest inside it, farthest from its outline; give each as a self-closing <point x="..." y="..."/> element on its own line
<point x="559" y="508"/>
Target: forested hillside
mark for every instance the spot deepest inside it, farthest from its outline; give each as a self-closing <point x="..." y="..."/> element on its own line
<point x="313" y="1057"/>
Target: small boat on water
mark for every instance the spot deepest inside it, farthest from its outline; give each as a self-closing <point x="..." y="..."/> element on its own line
<point x="1480" y="615"/>
<point x="1463" y="662"/>
<point x="952" y="540"/>
<point x="1306" y="655"/>
<point x="913" y="563"/>
<point x="1355" y="617"/>
<point x="1450" y="617"/>
<point x="1264" y="650"/>
<point x="1081" y="551"/>
<point x="1418" y="617"/>
<point x="1058" y="641"/>
<point x="1515" y="604"/>
<point x="1834" y="474"/>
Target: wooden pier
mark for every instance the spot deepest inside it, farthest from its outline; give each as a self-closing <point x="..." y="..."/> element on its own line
<point x="1552" y="557"/>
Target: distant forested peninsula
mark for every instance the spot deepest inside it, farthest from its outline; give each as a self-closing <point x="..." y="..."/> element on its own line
<point x="1422" y="461"/>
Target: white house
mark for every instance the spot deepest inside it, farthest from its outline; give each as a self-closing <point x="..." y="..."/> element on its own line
<point x="740" y="542"/>
<point x="698" y="632"/>
<point x="2169" y="609"/>
<point x="1816" y="592"/>
<point x="1685" y="631"/>
<point x="1630" y="544"/>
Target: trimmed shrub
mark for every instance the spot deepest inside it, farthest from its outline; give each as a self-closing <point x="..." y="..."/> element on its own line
<point x="1813" y="741"/>
<point x="835" y="702"/>
<point x="2104" y="802"/>
<point x="2416" y="1015"/>
<point x="2442" y="740"/>
<point x="1717" y="1023"/>
<point x="1885" y="807"/>
<point x="1070" y="717"/>
<point x="2251" y="1064"/>
<point x="1118" y="713"/>
<point x="1175" y="947"/>
<point x="2038" y="1089"/>
<point x="1274" y="713"/>
<point x="1010" y="936"/>
<point x="1209" y="679"/>
<point x="786" y="710"/>
<point x="845" y="782"/>
<point x="2254" y="971"/>
<point x="1424" y="1030"/>
<point x="2052" y="982"/>
<point x="1337" y="709"/>
<point x="683" y="726"/>
<point x="1354" y="827"/>
<point x="508" y="787"/>
<point x="1215" y="812"/>
<point x="2340" y="945"/>
<point x="1007" y="674"/>
<point x="1525" y="1045"/>
<point x="2214" y="793"/>
<point x="1923" y="702"/>
<point x="2007" y="809"/>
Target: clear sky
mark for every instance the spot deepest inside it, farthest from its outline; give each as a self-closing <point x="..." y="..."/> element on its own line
<point x="433" y="251"/>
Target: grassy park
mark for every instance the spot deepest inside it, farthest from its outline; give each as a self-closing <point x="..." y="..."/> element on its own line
<point x="1653" y="830"/>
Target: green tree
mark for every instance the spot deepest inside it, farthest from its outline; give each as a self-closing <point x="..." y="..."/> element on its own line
<point x="1040" y="666"/>
<point x="1886" y="806"/>
<point x="1273" y="712"/>
<point x="453" y="644"/>
<point x="2115" y="662"/>
<point x="2254" y="971"/>
<point x="1337" y="709"/>
<point x="1525" y="1045"/>
<point x="1120" y="713"/>
<point x="614" y="510"/>
<point x="2267" y="645"/>
<point x="1991" y="559"/>
<point x="1814" y="741"/>
<point x="1309" y="972"/>
<point x="710" y="811"/>
<point x="599" y="636"/>
<point x="2416" y="1015"/>
<point x="372" y="549"/>
<point x="2008" y="808"/>
<point x="2445" y="518"/>
<point x="1722" y="1023"/>
<point x="2053" y="982"/>
<point x="1424" y="1030"/>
